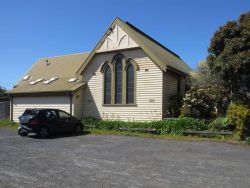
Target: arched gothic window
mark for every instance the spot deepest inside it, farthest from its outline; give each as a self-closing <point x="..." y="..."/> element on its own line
<point x="118" y="81"/>
<point x="130" y="85"/>
<point x="107" y="85"/>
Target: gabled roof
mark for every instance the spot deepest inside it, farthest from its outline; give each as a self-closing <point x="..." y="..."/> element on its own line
<point x="64" y="67"/>
<point x="160" y="55"/>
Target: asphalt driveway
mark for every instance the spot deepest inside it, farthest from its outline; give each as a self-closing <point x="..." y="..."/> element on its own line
<point x="120" y="161"/>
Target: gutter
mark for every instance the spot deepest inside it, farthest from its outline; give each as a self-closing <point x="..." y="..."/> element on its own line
<point x="70" y="94"/>
<point x="11" y="108"/>
<point x="177" y="71"/>
<point x="38" y="94"/>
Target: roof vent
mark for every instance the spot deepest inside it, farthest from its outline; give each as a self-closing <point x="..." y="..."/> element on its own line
<point x="47" y="62"/>
<point x="26" y="77"/>
<point x="36" y="81"/>
<point x="72" y="80"/>
<point x="50" y="80"/>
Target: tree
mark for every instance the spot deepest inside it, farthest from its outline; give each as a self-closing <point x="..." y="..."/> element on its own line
<point x="212" y="86"/>
<point x="229" y="56"/>
<point x="2" y="90"/>
<point x="203" y="77"/>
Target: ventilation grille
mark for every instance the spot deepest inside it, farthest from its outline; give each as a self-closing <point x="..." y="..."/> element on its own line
<point x="25" y="78"/>
<point x="50" y="80"/>
<point x="36" y="81"/>
<point x="71" y="80"/>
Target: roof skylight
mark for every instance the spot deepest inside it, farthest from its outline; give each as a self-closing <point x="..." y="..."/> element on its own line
<point x="50" y="80"/>
<point x="26" y="77"/>
<point x="36" y="81"/>
<point x="72" y="80"/>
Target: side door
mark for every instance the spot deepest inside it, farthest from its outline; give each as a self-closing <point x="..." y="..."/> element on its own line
<point x="68" y="124"/>
<point x="53" y="121"/>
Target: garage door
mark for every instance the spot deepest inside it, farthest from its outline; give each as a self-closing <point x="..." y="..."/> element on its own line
<point x="21" y="103"/>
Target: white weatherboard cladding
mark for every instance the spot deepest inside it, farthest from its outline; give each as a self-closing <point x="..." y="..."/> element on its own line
<point x="21" y="103"/>
<point x="77" y="106"/>
<point x="117" y="39"/>
<point x="170" y="88"/>
<point x="148" y="90"/>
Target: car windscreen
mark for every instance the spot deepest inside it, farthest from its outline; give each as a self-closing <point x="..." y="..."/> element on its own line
<point x="29" y="112"/>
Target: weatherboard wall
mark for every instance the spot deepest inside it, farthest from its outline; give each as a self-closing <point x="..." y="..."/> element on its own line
<point x="170" y="88"/>
<point x="77" y="104"/>
<point x="21" y="103"/>
<point x="148" y="90"/>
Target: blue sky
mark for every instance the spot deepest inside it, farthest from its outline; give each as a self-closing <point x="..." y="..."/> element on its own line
<point x="32" y="29"/>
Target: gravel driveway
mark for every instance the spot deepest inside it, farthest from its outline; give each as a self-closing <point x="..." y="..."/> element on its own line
<point x="120" y="161"/>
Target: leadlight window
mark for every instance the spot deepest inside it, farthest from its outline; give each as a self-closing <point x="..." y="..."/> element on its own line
<point x="130" y="85"/>
<point x="118" y="81"/>
<point x="107" y="85"/>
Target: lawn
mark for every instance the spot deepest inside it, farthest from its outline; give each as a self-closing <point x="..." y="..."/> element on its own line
<point x="95" y="131"/>
<point x="227" y="139"/>
<point x="8" y="124"/>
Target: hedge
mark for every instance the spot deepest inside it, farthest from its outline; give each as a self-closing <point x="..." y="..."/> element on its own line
<point x="172" y="127"/>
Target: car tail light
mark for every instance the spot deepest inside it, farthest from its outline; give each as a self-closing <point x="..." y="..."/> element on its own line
<point x="34" y="122"/>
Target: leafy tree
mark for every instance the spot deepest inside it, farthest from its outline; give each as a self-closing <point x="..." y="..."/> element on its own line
<point x="205" y="81"/>
<point x="203" y="77"/>
<point x="2" y="90"/>
<point x="229" y="56"/>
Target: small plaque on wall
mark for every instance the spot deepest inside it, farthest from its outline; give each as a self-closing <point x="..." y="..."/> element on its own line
<point x="151" y="100"/>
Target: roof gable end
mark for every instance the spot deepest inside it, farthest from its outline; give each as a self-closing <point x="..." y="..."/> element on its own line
<point x="117" y="39"/>
<point x="160" y="55"/>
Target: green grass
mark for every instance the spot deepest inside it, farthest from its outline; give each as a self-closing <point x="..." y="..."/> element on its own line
<point x="228" y="139"/>
<point x="7" y="123"/>
<point x="94" y="131"/>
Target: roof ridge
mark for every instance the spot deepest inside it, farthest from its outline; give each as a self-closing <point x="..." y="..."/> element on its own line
<point x="65" y="55"/>
<point x="153" y="40"/>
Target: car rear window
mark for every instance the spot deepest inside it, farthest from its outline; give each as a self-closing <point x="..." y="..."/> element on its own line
<point x="29" y="112"/>
<point x="41" y="115"/>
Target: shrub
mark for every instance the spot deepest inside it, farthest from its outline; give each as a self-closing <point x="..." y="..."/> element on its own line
<point x="219" y="124"/>
<point x="247" y="140"/>
<point x="188" y="123"/>
<point x="198" y="103"/>
<point x="174" y="107"/>
<point x="239" y="115"/>
<point x="205" y="102"/>
<point x="173" y="127"/>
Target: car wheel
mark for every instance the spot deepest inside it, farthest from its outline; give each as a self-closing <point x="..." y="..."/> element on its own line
<point x="43" y="132"/>
<point x="22" y="132"/>
<point x="78" y="129"/>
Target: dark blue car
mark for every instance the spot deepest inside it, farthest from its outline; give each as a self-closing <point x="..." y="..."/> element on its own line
<point x="45" y="122"/>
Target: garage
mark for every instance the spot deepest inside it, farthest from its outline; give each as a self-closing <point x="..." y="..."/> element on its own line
<point x="50" y="83"/>
<point x="21" y="103"/>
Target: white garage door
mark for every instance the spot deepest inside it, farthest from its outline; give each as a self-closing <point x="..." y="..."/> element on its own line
<point x="21" y="103"/>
